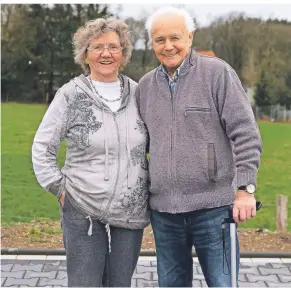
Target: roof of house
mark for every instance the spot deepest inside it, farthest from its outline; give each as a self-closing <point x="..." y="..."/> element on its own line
<point x="206" y="52"/>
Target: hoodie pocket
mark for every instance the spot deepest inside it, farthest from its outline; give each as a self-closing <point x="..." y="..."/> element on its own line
<point x="212" y="163"/>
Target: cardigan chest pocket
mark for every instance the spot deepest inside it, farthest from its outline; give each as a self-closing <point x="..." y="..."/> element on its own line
<point x="197" y="122"/>
<point x="193" y="109"/>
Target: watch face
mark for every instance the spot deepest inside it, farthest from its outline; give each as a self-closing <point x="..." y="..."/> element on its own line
<point x="251" y="188"/>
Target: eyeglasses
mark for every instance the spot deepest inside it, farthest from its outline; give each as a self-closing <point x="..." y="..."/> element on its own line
<point x="112" y="48"/>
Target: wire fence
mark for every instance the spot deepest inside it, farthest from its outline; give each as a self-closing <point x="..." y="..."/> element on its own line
<point x="274" y="113"/>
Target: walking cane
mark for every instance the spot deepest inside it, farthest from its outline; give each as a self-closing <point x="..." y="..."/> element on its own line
<point x="232" y="226"/>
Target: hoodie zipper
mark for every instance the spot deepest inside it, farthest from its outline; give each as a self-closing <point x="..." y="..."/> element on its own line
<point x="106" y="211"/>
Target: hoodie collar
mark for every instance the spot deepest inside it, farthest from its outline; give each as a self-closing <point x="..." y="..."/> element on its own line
<point x="83" y="83"/>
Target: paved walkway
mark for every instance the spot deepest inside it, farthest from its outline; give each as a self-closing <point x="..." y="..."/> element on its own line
<point x="50" y="271"/>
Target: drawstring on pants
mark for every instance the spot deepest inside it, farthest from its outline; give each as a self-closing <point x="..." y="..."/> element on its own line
<point x="107" y="227"/>
<point x="91" y="226"/>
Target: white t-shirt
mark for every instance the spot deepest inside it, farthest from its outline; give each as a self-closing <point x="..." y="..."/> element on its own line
<point x="109" y="91"/>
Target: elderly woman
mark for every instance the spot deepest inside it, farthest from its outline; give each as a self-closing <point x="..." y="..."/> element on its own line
<point x="102" y="188"/>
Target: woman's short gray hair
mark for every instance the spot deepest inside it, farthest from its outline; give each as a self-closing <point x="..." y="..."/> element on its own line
<point x="189" y="22"/>
<point x="95" y="28"/>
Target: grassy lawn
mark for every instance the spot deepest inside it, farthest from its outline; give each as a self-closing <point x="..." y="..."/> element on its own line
<point x="24" y="200"/>
<point x="22" y="197"/>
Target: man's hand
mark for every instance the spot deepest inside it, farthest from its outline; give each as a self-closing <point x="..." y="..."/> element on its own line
<point x="62" y="199"/>
<point x="244" y="207"/>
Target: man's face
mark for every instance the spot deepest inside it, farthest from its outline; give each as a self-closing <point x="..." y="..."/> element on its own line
<point x="171" y="40"/>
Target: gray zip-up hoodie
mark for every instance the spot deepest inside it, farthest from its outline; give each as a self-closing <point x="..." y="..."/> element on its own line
<point x="105" y="174"/>
<point x="204" y="140"/>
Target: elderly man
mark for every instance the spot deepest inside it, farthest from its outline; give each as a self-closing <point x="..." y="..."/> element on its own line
<point x="204" y="152"/>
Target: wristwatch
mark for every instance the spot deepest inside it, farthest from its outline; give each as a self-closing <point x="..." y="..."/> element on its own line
<point x="250" y="188"/>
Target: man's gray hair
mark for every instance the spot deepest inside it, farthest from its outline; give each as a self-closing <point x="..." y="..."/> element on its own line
<point x="189" y="22"/>
<point x="96" y="28"/>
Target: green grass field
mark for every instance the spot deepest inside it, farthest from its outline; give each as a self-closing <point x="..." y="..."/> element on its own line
<point x="24" y="200"/>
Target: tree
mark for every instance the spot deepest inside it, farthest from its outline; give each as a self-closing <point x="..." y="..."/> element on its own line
<point x="262" y="97"/>
<point x="41" y="34"/>
<point x="229" y="41"/>
<point x="284" y="97"/>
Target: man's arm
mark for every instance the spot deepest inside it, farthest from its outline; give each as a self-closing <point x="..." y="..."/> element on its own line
<point x="240" y="126"/>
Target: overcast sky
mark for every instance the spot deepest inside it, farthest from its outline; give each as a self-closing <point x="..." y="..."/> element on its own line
<point x="205" y="13"/>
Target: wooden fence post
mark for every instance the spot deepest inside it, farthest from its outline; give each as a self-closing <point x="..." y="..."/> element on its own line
<point x="281" y="212"/>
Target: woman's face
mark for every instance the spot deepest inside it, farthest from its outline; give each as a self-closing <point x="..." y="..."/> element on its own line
<point x="104" y="56"/>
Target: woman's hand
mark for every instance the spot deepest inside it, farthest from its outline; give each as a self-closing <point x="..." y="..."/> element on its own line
<point x="62" y="199"/>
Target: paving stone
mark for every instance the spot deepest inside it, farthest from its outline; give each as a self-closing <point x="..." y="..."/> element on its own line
<point x="199" y="270"/>
<point x="2" y="280"/>
<point x="36" y="262"/>
<point x="142" y="269"/>
<point x="144" y="276"/>
<point x="27" y="282"/>
<point x="56" y="257"/>
<point x="21" y="267"/>
<point x="14" y="261"/>
<point x="51" y="267"/>
<point x="195" y="260"/>
<point x="144" y="263"/>
<point x="248" y="265"/>
<point x="204" y="283"/>
<point x="197" y="283"/>
<point x="6" y="267"/>
<point x="32" y="274"/>
<point x="62" y="275"/>
<point x="266" y="260"/>
<point x="55" y="282"/>
<point x="249" y="270"/>
<point x="274" y="260"/>
<point x="143" y="283"/>
<point x="8" y="257"/>
<point x="154" y="263"/>
<point x="285" y="279"/>
<point x="63" y="263"/>
<point x="198" y="277"/>
<point x="278" y="285"/>
<point x="245" y="260"/>
<point x="31" y="257"/>
<point x="270" y="271"/>
<point x="133" y="283"/>
<point x="286" y="260"/>
<point x="195" y="269"/>
<point x="242" y="277"/>
<point x="255" y="278"/>
<point x="278" y="265"/>
<point x="13" y="274"/>
<point x="254" y="284"/>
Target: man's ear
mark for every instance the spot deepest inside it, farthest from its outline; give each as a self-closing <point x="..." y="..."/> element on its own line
<point x="191" y="37"/>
